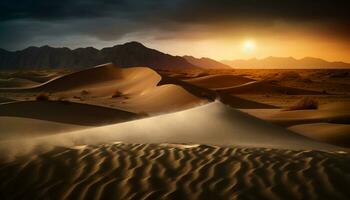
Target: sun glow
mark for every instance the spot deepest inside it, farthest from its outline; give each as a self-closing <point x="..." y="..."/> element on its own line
<point x="249" y="45"/>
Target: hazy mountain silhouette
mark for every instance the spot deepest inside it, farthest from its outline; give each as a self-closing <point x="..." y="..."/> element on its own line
<point x="206" y="63"/>
<point x="285" y="62"/>
<point x="125" y="55"/>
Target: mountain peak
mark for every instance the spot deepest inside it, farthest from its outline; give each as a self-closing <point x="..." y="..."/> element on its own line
<point x="129" y="54"/>
<point x="207" y="63"/>
<point x="133" y="44"/>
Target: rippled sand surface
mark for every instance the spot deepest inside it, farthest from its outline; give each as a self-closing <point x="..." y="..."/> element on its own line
<point x="139" y="171"/>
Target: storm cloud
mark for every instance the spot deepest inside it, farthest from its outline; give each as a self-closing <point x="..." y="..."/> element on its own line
<point x="32" y="22"/>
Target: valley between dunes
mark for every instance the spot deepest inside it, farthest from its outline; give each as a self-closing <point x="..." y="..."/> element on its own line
<point x="135" y="133"/>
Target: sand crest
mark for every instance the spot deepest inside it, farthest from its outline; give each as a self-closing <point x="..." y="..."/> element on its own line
<point x="219" y="81"/>
<point x="264" y="87"/>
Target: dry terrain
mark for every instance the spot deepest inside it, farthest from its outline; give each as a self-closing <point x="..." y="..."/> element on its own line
<point x="136" y="133"/>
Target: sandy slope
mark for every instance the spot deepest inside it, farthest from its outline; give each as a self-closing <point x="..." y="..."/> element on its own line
<point x="214" y="124"/>
<point x="16" y="127"/>
<point x="338" y="134"/>
<point x="201" y="92"/>
<point x="134" y="171"/>
<point x="218" y="81"/>
<point x="162" y="99"/>
<point x="66" y="112"/>
<point x="263" y="87"/>
<point x="16" y="82"/>
<point x="137" y="89"/>
<point x="5" y="100"/>
<point x="338" y="112"/>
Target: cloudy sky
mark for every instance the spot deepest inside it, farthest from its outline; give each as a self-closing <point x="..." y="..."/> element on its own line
<point x="221" y="29"/>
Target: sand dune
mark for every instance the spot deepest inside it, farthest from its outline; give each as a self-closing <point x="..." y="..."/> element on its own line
<point x="227" y="127"/>
<point x="333" y="112"/>
<point x="16" y="127"/>
<point x="135" y="171"/>
<point x="65" y="112"/>
<point x="16" y="82"/>
<point x="134" y="89"/>
<point x="337" y="134"/>
<point x="102" y="75"/>
<point x="263" y="87"/>
<point x="219" y="81"/>
<point x="233" y="101"/>
<point x="5" y="100"/>
<point x="162" y="99"/>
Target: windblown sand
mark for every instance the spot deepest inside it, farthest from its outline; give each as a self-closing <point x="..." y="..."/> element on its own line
<point x="137" y="171"/>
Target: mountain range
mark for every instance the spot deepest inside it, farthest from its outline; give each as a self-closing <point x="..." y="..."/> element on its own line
<point x="206" y="63"/>
<point x="285" y="63"/>
<point x="125" y="55"/>
<point x="136" y="54"/>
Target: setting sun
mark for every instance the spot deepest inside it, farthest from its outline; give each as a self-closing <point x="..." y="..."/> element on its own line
<point x="249" y="45"/>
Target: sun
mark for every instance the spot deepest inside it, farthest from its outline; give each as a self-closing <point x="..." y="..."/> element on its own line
<point x="249" y="45"/>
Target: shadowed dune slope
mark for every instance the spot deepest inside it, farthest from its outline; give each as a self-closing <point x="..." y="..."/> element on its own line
<point x="17" y="127"/>
<point x="5" y="100"/>
<point x="218" y="81"/>
<point x="137" y="171"/>
<point x="66" y="112"/>
<point x="337" y="134"/>
<point x="338" y="112"/>
<point x="263" y="87"/>
<point x="16" y="82"/>
<point x="233" y="101"/>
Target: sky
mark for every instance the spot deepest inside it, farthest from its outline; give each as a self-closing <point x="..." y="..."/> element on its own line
<point x="219" y="29"/>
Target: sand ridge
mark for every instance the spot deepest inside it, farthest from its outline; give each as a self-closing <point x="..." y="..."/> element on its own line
<point x="219" y="81"/>
<point x="132" y="89"/>
<point x="265" y="87"/>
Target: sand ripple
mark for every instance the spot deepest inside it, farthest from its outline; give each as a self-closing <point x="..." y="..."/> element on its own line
<point x="136" y="171"/>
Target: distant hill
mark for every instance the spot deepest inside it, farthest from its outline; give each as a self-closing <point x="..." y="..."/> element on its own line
<point x="125" y="55"/>
<point x="286" y="62"/>
<point x="206" y="63"/>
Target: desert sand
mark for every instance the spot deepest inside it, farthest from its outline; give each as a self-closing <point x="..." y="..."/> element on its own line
<point x="139" y="171"/>
<point x="135" y="133"/>
<point x="132" y="89"/>
<point x="16" y="82"/>
<point x="219" y="81"/>
<point x="17" y="127"/>
<point x="263" y="87"/>
<point x="333" y="112"/>
<point x="65" y="112"/>
<point x="337" y="134"/>
<point x="227" y="127"/>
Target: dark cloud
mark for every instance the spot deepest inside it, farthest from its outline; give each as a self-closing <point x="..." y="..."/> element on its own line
<point x="21" y="21"/>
